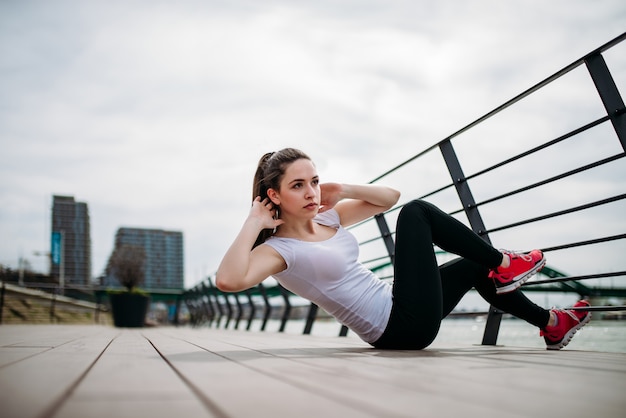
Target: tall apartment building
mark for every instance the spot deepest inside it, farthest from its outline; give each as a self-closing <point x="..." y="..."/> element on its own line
<point x="70" y="241"/>
<point x="164" y="256"/>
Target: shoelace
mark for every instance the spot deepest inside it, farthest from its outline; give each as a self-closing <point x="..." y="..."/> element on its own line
<point x="525" y="257"/>
<point x="568" y="312"/>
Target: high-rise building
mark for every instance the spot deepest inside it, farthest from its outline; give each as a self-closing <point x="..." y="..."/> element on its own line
<point x="164" y="256"/>
<point x="70" y="241"/>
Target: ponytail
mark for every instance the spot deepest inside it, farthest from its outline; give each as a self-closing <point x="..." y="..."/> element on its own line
<point x="268" y="175"/>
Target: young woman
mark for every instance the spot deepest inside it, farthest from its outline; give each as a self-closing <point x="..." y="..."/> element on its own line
<point x="295" y="233"/>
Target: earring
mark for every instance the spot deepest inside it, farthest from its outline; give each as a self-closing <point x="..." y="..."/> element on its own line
<point x="275" y="217"/>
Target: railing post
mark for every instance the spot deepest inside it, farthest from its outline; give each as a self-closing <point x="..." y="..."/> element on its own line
<point x="252" y="310"/>
<point x="198" y="299"/>
<point x="343" y="331"/>
<point x="229" y="307"/>
<point x="463" y="189"/>
<point x="97" y="309"/>
<point x="386" y="234"/>
<point x="1" y="301"/>
<point x="52" y="303"/>
<point x="239" y="310"/>
<point x="287" y="311"/>
<point x="310" y="318"/>
<point x="609" y="94"/>
<point x="177" y="308"/>
<point x="492" y="327"/>
<point x="267" y="311"/>
<point x="218" y="310"/>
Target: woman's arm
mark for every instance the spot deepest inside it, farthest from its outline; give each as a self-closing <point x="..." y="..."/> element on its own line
<point x="242" y="268"/>
<point x="355" y="203"/>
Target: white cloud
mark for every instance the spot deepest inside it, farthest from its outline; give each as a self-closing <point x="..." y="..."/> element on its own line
<point x="156" y="115"/>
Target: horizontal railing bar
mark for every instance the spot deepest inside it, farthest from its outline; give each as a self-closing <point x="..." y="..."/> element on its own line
<point x="372" y="218"/>
<point x="95" y="288"/>
<point x="583" y="243"/>
<point x="539" y="148"/>
<point x="402" y="164"/>
<point x="44" y="285"/>
<point x="576" y="308"/>
<point x="246" y="305"/>
<point x="510" y="102"/>
<point x="538" y="184"/>
<point x="439" y="190"/>
<point x="560" y="213"/>
<point x="555" y="178"/>
<point x="576" y="278"/>
<point x="468" y="313"/>
<point x="363" y="222"/>
<point x="370" y="240"/>
<point x="367" y="241"/>
<point x="597" y="308"/>
<point x="606" y="308"/>
<point x="544" y="182"/>
<point x="375" y="259"/>
<point x="608" y="45"/>
<point x="456" y="212"/>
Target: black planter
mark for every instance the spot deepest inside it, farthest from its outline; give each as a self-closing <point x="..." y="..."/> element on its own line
<point x="129" y="309"/>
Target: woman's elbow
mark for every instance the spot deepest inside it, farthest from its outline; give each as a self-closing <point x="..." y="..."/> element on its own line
<point x="393" y="197"/>
<point x="225" y="284"/>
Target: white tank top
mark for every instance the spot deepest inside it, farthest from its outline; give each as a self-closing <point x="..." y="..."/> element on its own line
<point x="328" y="273"/>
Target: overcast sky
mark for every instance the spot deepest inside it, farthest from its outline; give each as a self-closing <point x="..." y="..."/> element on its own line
<point x="155" y="113"/>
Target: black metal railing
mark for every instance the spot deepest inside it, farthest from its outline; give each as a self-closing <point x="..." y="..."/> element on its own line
<point x="206" y="304"/>
<point x="555" y="189"/>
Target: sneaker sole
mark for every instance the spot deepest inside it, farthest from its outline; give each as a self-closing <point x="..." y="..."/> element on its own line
<point x="570" y="334"/>
<point x="521" y="279"/>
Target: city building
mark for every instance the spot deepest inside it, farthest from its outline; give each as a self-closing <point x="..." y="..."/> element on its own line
<point x="164" y="257"/>
<point x="70" y="244"/>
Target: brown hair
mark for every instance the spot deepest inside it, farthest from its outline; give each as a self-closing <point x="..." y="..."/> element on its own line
<point x="269" y="174"/>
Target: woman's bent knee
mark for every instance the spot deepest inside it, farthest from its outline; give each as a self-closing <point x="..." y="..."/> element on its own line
<point x="415" y="207"/>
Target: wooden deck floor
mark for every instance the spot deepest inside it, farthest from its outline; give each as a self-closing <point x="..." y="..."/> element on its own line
<point x="100" y="371"/>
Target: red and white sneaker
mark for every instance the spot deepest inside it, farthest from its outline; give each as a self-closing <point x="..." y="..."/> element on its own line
<point x="568" y="322"/>
<point x="522" y="267"/>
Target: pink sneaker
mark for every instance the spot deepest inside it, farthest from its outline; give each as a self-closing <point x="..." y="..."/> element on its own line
<point x="522" y="267"/>
<point x="569" y="321"/>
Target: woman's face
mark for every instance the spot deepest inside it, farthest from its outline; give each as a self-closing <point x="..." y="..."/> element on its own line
<point x="299" y="192"/>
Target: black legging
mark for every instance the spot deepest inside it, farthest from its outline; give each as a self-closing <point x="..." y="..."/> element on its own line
<point x="424" y="293"/>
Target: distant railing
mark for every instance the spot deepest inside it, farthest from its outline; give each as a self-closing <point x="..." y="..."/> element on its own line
<point x="206" y="304"/>
<point x="540" y="167"/>
<point x="22" y="302"/>
<point x="76" y="297"/>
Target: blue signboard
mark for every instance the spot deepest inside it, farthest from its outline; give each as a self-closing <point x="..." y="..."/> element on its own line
<point x="55" y="248"/>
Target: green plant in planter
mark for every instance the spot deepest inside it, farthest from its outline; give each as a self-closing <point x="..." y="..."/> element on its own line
<point x="129" y="307"/>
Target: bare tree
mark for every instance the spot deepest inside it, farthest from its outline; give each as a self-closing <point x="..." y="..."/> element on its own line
<point x="127" y="264"/>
